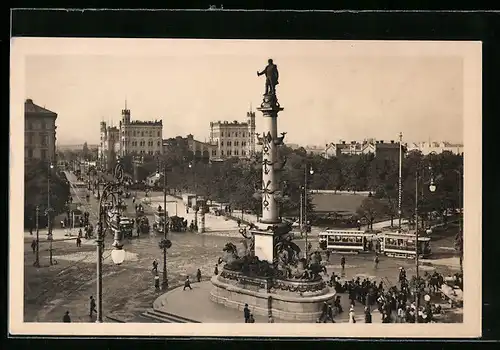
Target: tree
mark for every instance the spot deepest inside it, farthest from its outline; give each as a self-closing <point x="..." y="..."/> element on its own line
<point x="371" y="208"/>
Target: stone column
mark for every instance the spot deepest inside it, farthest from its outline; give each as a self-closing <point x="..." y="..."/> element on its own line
<point x="270" y="225"/>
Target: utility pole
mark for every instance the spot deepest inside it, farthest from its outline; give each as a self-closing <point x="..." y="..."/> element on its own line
<point x="417" y="286"/>
<point x="305" y="211"/>
<point x="37" y="258"/>
<point x="165" y="280"/>
<point x="49" y="209"/>
<point x="400" y="179"/>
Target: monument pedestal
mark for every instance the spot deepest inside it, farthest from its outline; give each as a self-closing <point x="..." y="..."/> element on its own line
<point x="287" y="300"/>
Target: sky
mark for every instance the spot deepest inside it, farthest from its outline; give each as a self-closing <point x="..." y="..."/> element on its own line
<point x="329" y="92"/>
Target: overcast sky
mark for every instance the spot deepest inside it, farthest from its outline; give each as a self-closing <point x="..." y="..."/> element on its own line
<point x="329" y="91"/>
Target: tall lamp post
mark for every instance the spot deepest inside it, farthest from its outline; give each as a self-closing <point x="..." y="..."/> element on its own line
<point x="163" y="244"/>
<point x="110" y="193"/>
<point x="432" y="188"/>
<point x="304" y="221"/>
<point x="48" y="212"/>
<point x="195" y="208"/>
<point x="400" y="181"/>
<point x="37" y="256"/>
<point x="460" y="218"/>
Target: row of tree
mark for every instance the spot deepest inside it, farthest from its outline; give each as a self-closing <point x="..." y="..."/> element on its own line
<point x="36" y="192"/>
<point x="238" y="181"/>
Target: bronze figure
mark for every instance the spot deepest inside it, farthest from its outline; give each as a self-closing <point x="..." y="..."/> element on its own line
<point x="271" y="72"/>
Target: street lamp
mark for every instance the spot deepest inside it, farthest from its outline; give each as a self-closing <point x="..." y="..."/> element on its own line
<point x="37" y="258"/>
<point x="164" y="245"/>
<point x="304" y="220"/>
<point x="49" y="211"/>
<point x="195" y="208"/>
<point x="432" y="188"/>
<point x="110" y="194"/>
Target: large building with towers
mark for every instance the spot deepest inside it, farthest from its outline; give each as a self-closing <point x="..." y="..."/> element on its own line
<point x="233" y="139"/>
<point x="131" y="137"/>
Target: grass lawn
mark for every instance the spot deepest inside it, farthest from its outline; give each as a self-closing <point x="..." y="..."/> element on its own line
<point x="345" y="204"/>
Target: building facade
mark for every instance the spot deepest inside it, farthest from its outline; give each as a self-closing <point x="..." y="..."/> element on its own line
<point x="39" y="132"/>
<point x="379" y="148"/>
<point x="436" y="147"/>
<point x="233" y="139"/>
<point x="198" y="149"/>
<point x="131" y="137"/>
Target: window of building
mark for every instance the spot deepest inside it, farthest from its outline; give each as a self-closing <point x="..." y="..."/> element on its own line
<point x="222" y="152"/>
<point x="229" y="152"/>
<point x="30" y="138"/>
<point x="43" y="154"/>
<point x="134" y="132"/>
<point x="243" y="153"/>
<point x="29" y="125"/>
<point x="222" y="143"/>
<point x="214" y="152"/>
<point x="229" y="143"/>
<point x="142" y="133"/>
<point x="159" y="142"/>
<point x="158" y="134"/>
<point x="235" y="152"/>
<point x="236" y="143"/>
<point x="150" y="133"/>
<point x="43" y="125"/>
<point x="222" y="133"/>
<point x="30" y="153"/>
<point x="243" y="134"/>
<point x="243" y="143"/>
<point x="44" y="139"/>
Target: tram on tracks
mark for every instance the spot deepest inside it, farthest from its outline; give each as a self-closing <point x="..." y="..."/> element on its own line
<point x="346" y="240"/>
<point x="403" y="245"/>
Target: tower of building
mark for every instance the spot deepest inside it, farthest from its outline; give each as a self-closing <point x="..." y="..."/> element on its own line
<point x="251" y="131"/>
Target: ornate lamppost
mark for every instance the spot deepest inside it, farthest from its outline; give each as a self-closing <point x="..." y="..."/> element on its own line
<point x="432" y="189"/>
<point x="109" y="205"/>
<point x="37" y="257"/>
<point x="164" y="243"/>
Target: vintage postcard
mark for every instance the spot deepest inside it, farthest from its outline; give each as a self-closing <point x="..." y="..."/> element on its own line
<point x="332" y="188"/>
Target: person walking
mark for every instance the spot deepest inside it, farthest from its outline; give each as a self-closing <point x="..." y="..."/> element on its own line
<point x="78" y="242"/>
<point x="251" y="319"/>
<point x="33" y="246"/>
<point x="157" y="281"/>
<point x="342" y="262"/>
<point x="187" y="283"/>
<point x="66" y="318"/>
<point x="92" y="306"/>
<point x="216" y="270"/>
<point x="155" y="267"/>
<point x="246" y="313"/>
<point x="198" y="275"/>
<point x="376" y="260"/>
<point x="352" y="315"/>
<point x="368" y="315"/>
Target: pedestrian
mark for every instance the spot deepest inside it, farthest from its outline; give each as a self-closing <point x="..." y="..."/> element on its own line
<point x="92" y="306"/>
<point x="342" y="262"/>
<point x="328" y="255"/>
<point x="368" y="315"/>
<point x="251" y="319"/>
<point x="352" y="315"/>
<point x="155" y="267"/>
<point x="376" y="260"/>
<point x="216" y="270"/>
<point x="80" y="233"/>
<point x="157" y="281"/>
<point x="66" y="318"/>
<point x="187" y="283"/>
<point x="246" y="313"/>
<point x="270" y="319"/>
<point x="198" y="275"/>
<point x="33" y="246"/>
<point x="78" y="242"/>
<point x="329" y="314"/>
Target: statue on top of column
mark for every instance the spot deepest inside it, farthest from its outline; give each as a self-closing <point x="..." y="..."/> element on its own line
<point x="271" y="72"/>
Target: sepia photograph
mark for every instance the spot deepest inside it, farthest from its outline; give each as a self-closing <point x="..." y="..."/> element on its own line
<point x="185" y="187"/>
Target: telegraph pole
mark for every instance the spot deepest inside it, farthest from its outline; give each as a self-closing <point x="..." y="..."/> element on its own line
<point x="400" y="179"/>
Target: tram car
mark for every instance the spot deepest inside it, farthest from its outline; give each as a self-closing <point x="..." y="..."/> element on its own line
<point x="346" y="240"/>
<point x="126" y="225"/>
<point x="402" y="245"/>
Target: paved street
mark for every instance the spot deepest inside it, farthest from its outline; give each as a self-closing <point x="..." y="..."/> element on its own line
<point x="128" y="288"/>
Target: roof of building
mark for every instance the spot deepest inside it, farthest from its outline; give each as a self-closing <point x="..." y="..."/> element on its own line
<point x="32" y="109"/>
<point x="148" y="122"/>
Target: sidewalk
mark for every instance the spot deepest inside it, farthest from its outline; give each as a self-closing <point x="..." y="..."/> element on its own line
<point x="58" y="234"/>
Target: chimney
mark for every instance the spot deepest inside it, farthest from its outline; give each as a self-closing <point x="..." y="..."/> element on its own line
<point x="381" y="141"/>
<point x="392" y="141"/>
<point x="343" y="142"/>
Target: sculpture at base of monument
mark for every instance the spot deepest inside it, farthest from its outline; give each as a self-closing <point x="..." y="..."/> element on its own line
<point x="272" y="75"/>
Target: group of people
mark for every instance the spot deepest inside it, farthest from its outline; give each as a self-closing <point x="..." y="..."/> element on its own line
<point x="395" y="304"/>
